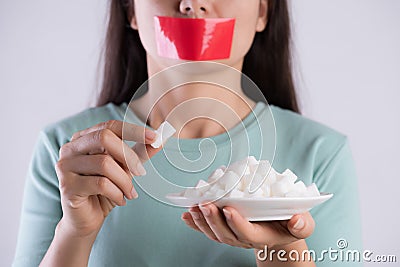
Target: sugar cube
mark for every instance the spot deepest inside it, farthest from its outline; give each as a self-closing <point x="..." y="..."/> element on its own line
<point x="215" y="175"/>
<point x="164" y="132"/>
<point x="312" y="190"/>
<point x="256" y="182"/>
<point x="236" y="193"/>
<point x="279" y="189"/>
<point x="250" y="178"/>
<point x="202" y="186"/>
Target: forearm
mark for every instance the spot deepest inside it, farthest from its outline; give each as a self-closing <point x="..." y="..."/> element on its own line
<point x="67" y="249"/>
<point x="288" y="255"/>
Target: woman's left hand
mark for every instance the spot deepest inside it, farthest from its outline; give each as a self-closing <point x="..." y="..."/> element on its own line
<point x="229" y="227"/>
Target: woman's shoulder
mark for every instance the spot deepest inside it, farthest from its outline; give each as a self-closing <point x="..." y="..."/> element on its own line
<point x="307" y="146"/>
<point x="294" y="127"/>
<point x="61" y="131"/>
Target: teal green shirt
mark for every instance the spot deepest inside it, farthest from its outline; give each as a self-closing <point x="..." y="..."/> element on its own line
<point x="148" y="232"/>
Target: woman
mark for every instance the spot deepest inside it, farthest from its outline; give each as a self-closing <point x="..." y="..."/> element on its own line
<point x="77" y="213"/>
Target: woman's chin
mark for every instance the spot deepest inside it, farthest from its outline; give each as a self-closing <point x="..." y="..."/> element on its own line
<point x="197" y="67"/>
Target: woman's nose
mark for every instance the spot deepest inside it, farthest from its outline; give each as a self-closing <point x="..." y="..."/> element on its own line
<point x="194" y="8"/>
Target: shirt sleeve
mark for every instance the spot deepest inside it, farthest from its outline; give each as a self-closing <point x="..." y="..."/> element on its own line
<point x="41" y="209"/>
<point x="337" y="239"/>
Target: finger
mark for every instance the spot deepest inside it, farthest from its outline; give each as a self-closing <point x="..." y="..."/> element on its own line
<point x="258" y="234"/>
<point x="187" y="218"/>
<point x="218" y="225"/>
<point x="245" y="231"/>
<point x="201" y="223"/>
<point x="145" y="152"/>
<point x="301" y="225"/>
<point x="127" y="131"/>
<point x="77" y="188"/>
<point x="106" y="204"/>
<point x="100" y="165"/>
<point x="104" y="142"/>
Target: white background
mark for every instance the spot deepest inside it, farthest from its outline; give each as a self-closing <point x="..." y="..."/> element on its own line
<point x="349" y="77"/>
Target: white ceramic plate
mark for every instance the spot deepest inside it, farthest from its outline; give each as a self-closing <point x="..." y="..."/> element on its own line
<point x="259" y="208"/>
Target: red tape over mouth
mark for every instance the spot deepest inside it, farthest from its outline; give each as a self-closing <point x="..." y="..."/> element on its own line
<point x="195" y="39"/>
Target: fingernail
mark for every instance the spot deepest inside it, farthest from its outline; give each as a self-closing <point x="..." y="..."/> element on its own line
<point x="183" y="216"/>
<point x="150" y="135"/>
<point x="195" y="215"/>
<point x="141" y="169"/>
<point x="227" y="213"/>
<point x="299" y="224"/>
<point x="205" y="210"/>
<point x="134" y="193"/>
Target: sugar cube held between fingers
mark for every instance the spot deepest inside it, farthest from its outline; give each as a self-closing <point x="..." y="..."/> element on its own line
<point x="164" y="132"/>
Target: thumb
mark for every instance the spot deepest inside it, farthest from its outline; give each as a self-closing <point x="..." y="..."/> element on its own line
<point x="145" y="152"/>
<point x="301" y="225"/>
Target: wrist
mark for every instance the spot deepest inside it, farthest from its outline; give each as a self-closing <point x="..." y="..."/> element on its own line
<point x="301" y="243"/>
<point x="68" y="248"/>
<point x="64" y="229"/>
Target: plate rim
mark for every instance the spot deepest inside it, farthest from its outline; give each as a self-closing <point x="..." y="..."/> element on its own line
<point x="322" y="195"/>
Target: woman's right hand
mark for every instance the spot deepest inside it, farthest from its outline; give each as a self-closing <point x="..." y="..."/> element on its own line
<point x="95" y="173"/>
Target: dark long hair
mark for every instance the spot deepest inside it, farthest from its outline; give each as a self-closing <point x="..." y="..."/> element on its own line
<point x="268" y="63"/>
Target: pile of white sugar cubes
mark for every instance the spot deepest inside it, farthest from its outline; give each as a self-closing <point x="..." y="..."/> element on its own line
<point x="246" y="178"/>
<point x="249" y="178"/>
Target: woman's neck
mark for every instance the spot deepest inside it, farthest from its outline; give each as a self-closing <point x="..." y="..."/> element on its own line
<point x="198" y="99"/>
